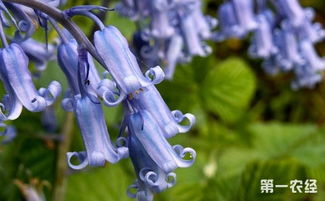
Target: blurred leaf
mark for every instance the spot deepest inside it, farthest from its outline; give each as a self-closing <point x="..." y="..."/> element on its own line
<point x="246" y="185"/>
<point x="228" y="89"/>
<point x="301" y="142"/>
<point x="98" y="184"/>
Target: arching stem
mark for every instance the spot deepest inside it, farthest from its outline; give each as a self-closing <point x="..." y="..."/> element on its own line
<point x="58" y="15"/>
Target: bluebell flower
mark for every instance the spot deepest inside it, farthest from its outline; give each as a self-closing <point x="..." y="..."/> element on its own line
<point x="10" y="106"/>
<point x="291" y="10"/>
<point x="143" y="126"/>
<point x="310" y="56"/>
<point x="236" y="19"/>
<point x="120" y="61"/>
<point x="49" y="120"/>
<point x="14" y="71"/>
<point x="305" y="77"/>
<point x="4" y="19"/>
<point x="204" y="24"/>
<point x="271" y="66"/>
<point x="68" y="61"/>
<point x="91" y="121"/>
<point x="160" y="25"/>
<point x="26" y="21"/>
<point x="288" y="55"/>
<point x="308" y="30"/>
<point x="164" y="22"/>
<point x="308" y="74"/>
<point x="244" y="12"/>
<point x="99" y="147"/>
<point x="229" y="27"/>
<point x="38" y="53"/>
<point x="128" y="8"/>
<point x="262" y="44"/>
<point x="150" y="178"/>
<point x="149" y="99"/>
<point x="174" y="54"/>
<point x="8" y="134"/>
<point x="192" y="40"/>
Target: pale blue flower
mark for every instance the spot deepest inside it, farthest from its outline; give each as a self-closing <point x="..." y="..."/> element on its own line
<point x="99" y="148"/>
<point x="14" y="71"/>
<point x="288" y="55"/>
<point x="308" y="30"/>
<point x="236" y="19"/>
<point x="149" y="99"/>
<point x="68" y="60"/>
<point x="143" y="126"/>
<point x="310" y="56"/>
<point x="25" y="18"/>
<point x="8" y="134"/>
<point x="38" y="53"/>
<point x="120" y="61"/>
<point x="150" y="178"/>
<point x="262" y="44"/>
<point x="91" y="121"/>
<point x="192" y="40"/>
<point x="291" y="10"/>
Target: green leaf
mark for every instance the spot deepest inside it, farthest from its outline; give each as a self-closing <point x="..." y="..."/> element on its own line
<point x="228" y="89"/>
<point x="304" y="143"/>
<point x="98" y="184"/>
<point x="246" y="184"/>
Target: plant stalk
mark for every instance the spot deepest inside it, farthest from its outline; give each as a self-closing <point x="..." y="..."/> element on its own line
<point x="61" y="165"/>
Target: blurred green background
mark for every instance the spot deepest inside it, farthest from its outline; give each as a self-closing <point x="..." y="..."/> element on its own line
<point x="250" y="126"/>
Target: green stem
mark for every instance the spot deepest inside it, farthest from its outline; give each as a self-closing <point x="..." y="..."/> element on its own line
<point x="61" y="165"/>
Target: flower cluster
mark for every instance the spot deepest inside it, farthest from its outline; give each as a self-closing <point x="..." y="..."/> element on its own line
<point x="175" y="31"/>
<point x="283" y="36"/>
<point x="170" y="31"/>
<point x="15" y="58"/>
<point x="148" y="123"/>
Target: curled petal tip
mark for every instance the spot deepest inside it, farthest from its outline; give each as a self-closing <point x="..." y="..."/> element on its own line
<point x="155" y="75"/>
<point x="81" y="156"/>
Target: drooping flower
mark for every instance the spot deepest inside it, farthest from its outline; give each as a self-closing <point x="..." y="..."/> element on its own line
<point x="281" y="36"/>
<point x="174" y="54"/>
<point x="150" y="178"/>
<point x="68" y="61"/>
<point x="26" y="21"/>
<point x="262" y="45"/>
<point x="291" y="10"/>
<point x="236" y="18"/>
<point x="49" y="120"/>
<point x="38" y="53"/>
<point x="287" y="43"/>
<point x="120" y="61"/>
<point x="14" y="72"/>
<point x="172" y="31"/>
<point x="8" y="134"/>
<point x="99" y="148"/>
<point x="91" y="121"/>
<point x="193" y="42"/>
<point x="149" y="99"/>
<point x="144" y="127"/>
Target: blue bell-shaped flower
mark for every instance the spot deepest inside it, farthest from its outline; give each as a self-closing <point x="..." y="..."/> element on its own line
<point x="149" y="99"/>
<point x="144" y="127"/>
<point x="14" y="71"/>
<point x="120" y="61"/>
